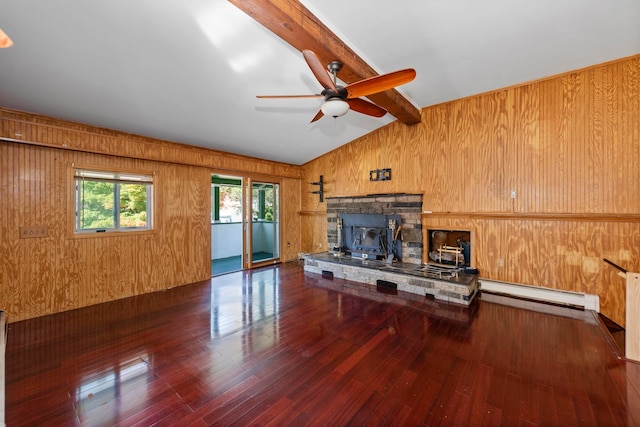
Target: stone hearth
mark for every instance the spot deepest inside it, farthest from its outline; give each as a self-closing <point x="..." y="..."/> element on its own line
<point x="443" y="284"/>
<point x="406" y="274"/>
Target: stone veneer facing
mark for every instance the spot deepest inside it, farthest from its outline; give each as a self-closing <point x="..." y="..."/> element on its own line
<point x="408" y="206"/>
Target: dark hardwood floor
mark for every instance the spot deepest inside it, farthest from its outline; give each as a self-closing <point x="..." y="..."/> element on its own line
<point x="278" y="347"/>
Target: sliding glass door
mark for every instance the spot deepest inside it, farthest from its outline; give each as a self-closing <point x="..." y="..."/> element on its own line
<point x="227" y="225"/>
<point x="263" y="223"/>
<point x="245" y="223"/>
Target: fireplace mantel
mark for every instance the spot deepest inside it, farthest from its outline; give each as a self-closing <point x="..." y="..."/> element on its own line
<point x="374" y="195"/>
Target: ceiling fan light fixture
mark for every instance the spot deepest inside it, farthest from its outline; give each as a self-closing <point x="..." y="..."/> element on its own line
<point x="335" y="107"/>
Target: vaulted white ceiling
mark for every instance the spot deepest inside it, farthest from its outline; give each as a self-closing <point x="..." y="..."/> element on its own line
<point x="189" y="70"/>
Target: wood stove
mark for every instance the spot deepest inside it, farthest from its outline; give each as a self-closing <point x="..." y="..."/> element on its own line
<point x="406" y="240"/>
<point x="370" y="236"/>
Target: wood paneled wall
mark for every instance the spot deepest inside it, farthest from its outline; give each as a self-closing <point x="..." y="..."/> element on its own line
<point x="57" y="273"/>
<point x="33" y="129"/>
<point x="40" y="276"/>
<point x="290" y="223"/>
<point x="567" y="145"/>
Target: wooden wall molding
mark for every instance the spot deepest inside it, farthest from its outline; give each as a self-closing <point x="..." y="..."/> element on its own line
<point x="312" y="213"/>
<point x="27" y="128"/>
<point x="604" y="217"/>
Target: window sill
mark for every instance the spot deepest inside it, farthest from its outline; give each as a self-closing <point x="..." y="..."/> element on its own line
<point x="110" y="233"/>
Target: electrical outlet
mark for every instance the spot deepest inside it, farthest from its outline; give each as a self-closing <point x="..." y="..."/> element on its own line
<point x="513" y="194"/>
<point x="30" y="232"/>
<point x="500" y="263"/>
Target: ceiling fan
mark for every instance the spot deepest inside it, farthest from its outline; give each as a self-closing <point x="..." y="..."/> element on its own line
<point x="338" y="99"/>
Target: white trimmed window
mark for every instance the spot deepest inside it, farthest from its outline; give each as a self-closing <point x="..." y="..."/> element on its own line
<point x="107" y="201"/>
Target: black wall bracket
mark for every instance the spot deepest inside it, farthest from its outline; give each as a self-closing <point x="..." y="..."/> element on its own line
<point x="320" y="190"/>
<point x="380" y="175"/>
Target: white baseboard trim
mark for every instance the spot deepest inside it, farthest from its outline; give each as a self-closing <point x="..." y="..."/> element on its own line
<point x="3" y="346"/>
<point x="556" y="296"/>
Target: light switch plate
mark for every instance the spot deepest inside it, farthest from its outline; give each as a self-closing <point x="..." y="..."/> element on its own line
<point x="34" y="231"/>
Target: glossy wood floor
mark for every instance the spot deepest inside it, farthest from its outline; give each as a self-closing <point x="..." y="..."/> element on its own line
<point x="280" y="347"/>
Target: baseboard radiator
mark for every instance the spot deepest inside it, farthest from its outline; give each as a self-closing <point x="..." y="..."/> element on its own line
<point x="555" y="296"/>
<point x="3" y="346"/>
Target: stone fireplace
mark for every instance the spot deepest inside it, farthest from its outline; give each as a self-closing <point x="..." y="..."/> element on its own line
<point x="370" y="216"/>
<point x="378" y="240"/>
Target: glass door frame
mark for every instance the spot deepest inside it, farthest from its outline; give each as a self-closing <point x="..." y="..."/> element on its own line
<point x="225" y="230"/>
<point x="247" y="243"/>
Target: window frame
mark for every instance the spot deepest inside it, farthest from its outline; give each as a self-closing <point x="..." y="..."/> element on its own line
<point x="217" y="182"/>
<point x="118" y="176"/>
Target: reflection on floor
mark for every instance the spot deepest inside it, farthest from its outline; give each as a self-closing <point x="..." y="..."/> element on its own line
<point x="234" y="263"/>
<point x="278" y="346"/>
<point x="616" y="331"/>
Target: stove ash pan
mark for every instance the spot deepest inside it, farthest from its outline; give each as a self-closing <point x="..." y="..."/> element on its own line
<point x="370" y="236"/>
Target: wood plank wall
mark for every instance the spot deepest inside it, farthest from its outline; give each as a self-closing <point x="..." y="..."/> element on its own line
<point x="290" y="223"/>
<point x="568" y="145"/>
<point x="39" y="130"/>
<point x="40" y="276"/>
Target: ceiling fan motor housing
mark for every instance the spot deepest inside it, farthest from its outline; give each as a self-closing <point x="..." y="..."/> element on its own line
<point x="329" y="93"/>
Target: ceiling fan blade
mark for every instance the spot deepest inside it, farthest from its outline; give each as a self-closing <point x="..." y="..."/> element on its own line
<point x="319" y="70"/>
<point x="380" y="83"/>
<point x="366" y="107"/>
<point x="317" y="116"/>
<point x="5" y="40"/>
<point x="289" y="96"/>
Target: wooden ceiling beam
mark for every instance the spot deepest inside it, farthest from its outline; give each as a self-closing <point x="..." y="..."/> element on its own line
<point x="295" y="24"/>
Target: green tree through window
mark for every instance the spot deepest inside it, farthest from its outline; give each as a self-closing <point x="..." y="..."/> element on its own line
<point x="111" y="201"/>
<point x="97" y="201"/>
<point x="133" y="205"/>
